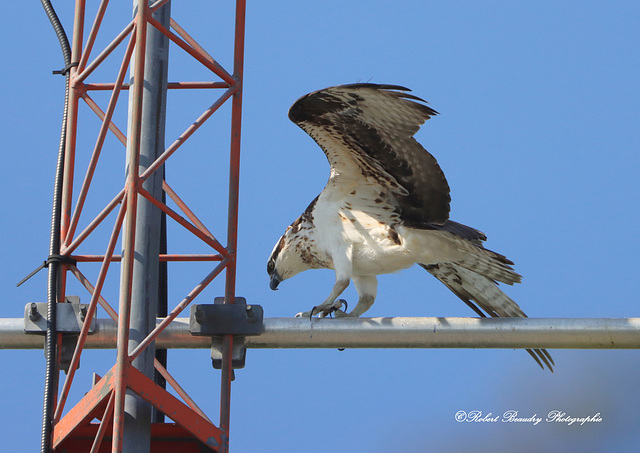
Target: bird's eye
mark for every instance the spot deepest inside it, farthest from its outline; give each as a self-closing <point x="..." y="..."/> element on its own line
<point x="270" y="266"/>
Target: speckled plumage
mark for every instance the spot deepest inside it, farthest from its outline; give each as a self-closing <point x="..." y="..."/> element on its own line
<point x="385" y="207"/>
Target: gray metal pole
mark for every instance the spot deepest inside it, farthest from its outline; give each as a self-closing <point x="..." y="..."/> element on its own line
<point x="145" y="278"/>
<point x="551" y="333"/>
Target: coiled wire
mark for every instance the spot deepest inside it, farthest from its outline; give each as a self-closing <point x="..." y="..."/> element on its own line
<point x="51" y="373"/>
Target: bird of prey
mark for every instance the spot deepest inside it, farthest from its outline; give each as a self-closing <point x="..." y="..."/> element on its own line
<point x="385" y="208"/>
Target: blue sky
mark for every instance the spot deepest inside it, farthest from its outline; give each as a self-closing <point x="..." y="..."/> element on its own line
<point x="537" y="134"/>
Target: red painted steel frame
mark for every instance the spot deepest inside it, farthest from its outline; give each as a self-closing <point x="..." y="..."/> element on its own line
<point x="192" y="430"/>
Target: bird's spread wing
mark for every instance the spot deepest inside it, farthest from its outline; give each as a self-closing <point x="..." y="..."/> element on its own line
<point x="366" y="131"/>
<point x="381" y="177"/>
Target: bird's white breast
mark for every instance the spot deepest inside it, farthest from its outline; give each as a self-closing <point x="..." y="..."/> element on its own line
<point x="348" y="220"/>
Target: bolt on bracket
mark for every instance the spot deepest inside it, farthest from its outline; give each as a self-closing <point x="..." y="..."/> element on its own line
<point x="70" y="316"/>
<point x="219" y="319"/>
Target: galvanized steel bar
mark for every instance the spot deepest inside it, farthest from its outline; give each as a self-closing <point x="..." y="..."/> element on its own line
<point x="395" y="333"/>
<point x="149" y="111"/>
<point x="123" y="362"/>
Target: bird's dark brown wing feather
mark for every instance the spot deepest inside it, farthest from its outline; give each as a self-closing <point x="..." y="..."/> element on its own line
<point x="373" y="126"/>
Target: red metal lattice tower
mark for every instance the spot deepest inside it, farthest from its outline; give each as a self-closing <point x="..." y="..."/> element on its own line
<point x="74" y="430"/>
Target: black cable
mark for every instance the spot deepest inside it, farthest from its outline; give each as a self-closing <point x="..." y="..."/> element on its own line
<point x="51" y="373"/>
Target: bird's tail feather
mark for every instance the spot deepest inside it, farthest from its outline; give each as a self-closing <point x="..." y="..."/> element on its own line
<point x="488" y="263"/>
<point x="483" y="296"/>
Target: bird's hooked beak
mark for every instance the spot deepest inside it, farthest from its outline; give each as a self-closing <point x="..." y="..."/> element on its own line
<point x="275" y="281"/>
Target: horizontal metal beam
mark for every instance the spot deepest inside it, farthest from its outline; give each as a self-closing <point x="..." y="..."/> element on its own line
<point x="552" y="333"/>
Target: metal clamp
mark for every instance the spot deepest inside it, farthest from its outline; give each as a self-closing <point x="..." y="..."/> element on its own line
<point x="218" y="319"/>
<point x="70" y="316"/>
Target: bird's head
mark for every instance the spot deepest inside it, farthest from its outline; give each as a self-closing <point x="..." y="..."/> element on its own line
<point x="288" y="256"/>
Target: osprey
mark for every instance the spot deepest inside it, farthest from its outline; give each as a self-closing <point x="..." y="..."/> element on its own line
<point x="385" y="207"/>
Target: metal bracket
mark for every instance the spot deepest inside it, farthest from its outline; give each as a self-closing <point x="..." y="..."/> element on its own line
<point x="70" y="317"/>
<point x="218" y="319"/>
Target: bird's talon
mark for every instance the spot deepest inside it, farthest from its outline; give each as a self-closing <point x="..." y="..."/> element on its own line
<point x="333" y="310"/>
<point x="342" y="314"/>
<point x="324" y="311"/>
